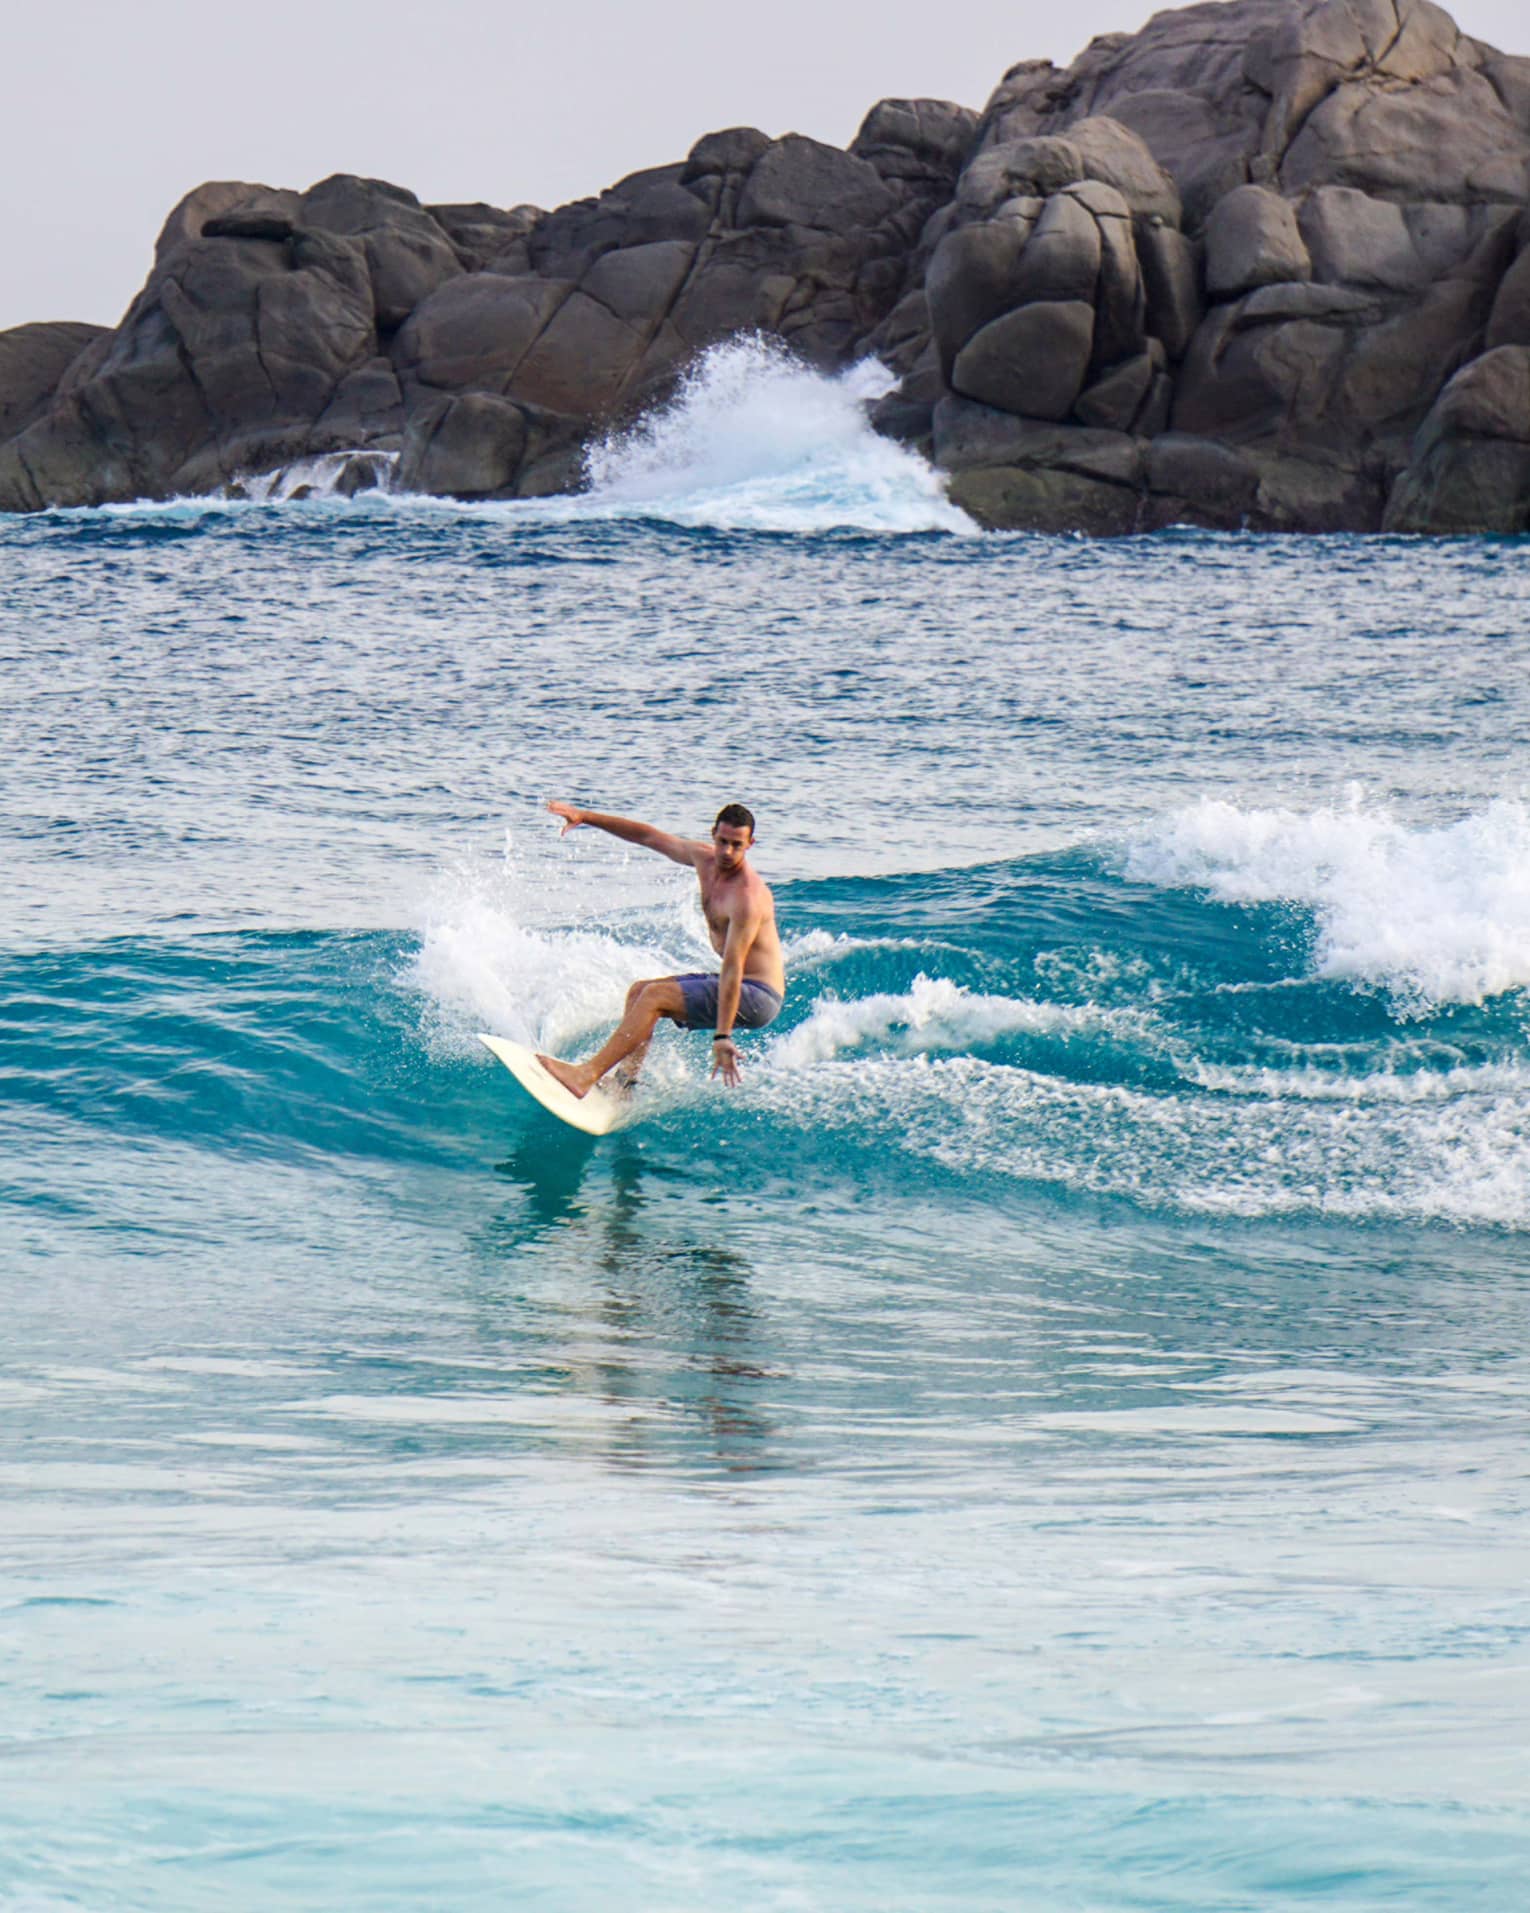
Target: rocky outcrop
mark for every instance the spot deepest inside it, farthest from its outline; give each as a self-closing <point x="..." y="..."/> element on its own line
<point x="1259" y="264"/>
<point x="1323" y="223"/>
<point x="1470" y="470"/>
<point x="33" y="361"/>
<point x="261" y="336"/>
<point x="486" y="348"/>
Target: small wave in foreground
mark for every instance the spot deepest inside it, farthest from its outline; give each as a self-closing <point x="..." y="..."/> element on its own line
<point x="1184" y="1054"/>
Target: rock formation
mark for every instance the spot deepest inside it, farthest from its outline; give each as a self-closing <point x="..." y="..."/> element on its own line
<point x="1264" y="263"/>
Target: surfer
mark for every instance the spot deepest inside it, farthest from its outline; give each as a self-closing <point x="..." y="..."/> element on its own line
<point x="741" y="921"/>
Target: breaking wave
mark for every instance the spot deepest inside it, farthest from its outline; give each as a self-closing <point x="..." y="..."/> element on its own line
<point x="1155" y="1034"/>
<point x="755" y="441"/>
<point x="1184" y="1056"/>
<point x="1431" y="915"/>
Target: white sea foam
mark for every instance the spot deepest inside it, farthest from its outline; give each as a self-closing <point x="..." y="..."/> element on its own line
<point x="1457" y="1157"/>
<point x="331" y="477"/>
<point x="820" y="949"/>
<point x="933" y="1014"/>
<point x="325" y="475"/>
<point x="1367" y="1086"/>
<point x="756" y="441"/>
<point x="1434" y="915"/>
<point x="508" y="949"/>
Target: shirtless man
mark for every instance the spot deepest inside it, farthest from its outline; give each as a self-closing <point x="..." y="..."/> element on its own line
<point x="741" y="921"/>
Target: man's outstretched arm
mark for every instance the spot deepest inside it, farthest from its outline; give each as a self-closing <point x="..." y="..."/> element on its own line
<point x="677" y="849"/>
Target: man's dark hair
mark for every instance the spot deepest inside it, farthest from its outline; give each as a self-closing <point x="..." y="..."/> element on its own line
<point x="737" y="816"/>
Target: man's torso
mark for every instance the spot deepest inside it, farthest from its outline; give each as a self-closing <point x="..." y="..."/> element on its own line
<point x="721" y="899"/>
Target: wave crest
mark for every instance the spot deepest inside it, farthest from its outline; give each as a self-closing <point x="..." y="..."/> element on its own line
<point x="1433" y="916"/>
<point x="933" y="1014"/>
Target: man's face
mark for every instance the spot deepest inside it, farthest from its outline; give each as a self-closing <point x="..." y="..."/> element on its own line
<point x="731" y="841"/>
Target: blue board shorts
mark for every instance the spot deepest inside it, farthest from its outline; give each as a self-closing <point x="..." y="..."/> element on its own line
<point x="758" y="1003"/>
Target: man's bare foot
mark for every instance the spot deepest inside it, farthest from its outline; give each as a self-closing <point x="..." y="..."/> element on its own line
<point x="570" y="1075"/>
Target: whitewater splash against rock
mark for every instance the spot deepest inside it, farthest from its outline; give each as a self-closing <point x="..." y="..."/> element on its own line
<point x="1264" y="263"/>
<point x="751" y="441"/>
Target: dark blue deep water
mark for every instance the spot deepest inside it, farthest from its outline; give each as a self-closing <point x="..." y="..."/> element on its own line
<point x="1055" y="1437"/>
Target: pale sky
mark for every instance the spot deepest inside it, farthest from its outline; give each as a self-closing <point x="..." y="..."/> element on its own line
<point x="113" y="111"/>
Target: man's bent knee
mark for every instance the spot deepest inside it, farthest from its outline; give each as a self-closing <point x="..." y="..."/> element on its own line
<point x="660" y="996"/>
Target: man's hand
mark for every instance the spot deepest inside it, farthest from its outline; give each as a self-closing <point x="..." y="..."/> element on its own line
<point x="725" y="1060"/>
<point x="572" y="817"/>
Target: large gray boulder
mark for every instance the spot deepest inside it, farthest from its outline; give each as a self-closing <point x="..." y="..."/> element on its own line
<point x="974" y="278"/>
<point x="1470" y="470"/>
<point x="1047" y="499"/>
<point x="1061" y="258"/>
<point x="33" y="361"/>
<point x="802" y="182"/>
<point x="408" y="253"/>
<point x="923" y="142"/>
<point x="1252" y="240"/>
<point x="1170" y="264"/>
<point x="1016" y="472"/>
<point x="1032" y="361"/>
<point x="1356" y="240"/>
<point x="473" y="445"/>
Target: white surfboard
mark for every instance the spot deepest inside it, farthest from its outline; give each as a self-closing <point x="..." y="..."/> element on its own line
<point x="597" y="1114"/>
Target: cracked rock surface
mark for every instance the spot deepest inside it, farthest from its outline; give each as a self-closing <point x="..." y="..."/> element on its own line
<point x="1265" y="263"/>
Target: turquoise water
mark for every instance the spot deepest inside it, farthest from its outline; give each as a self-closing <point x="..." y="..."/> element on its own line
<point x="1055" y="1437"/>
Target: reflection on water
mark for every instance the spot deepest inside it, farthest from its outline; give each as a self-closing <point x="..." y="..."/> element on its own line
<point x="648" y="1286"/>
<point x="549" y="1167"/>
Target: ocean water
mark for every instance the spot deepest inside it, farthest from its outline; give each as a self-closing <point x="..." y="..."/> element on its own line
<point x="1054" y="1438"/>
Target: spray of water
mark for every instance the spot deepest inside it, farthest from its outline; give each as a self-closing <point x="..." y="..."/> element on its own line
<point x="756" y="441"/>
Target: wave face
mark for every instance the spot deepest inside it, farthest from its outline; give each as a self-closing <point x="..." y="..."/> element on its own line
<point x="1094" y="1031"/>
